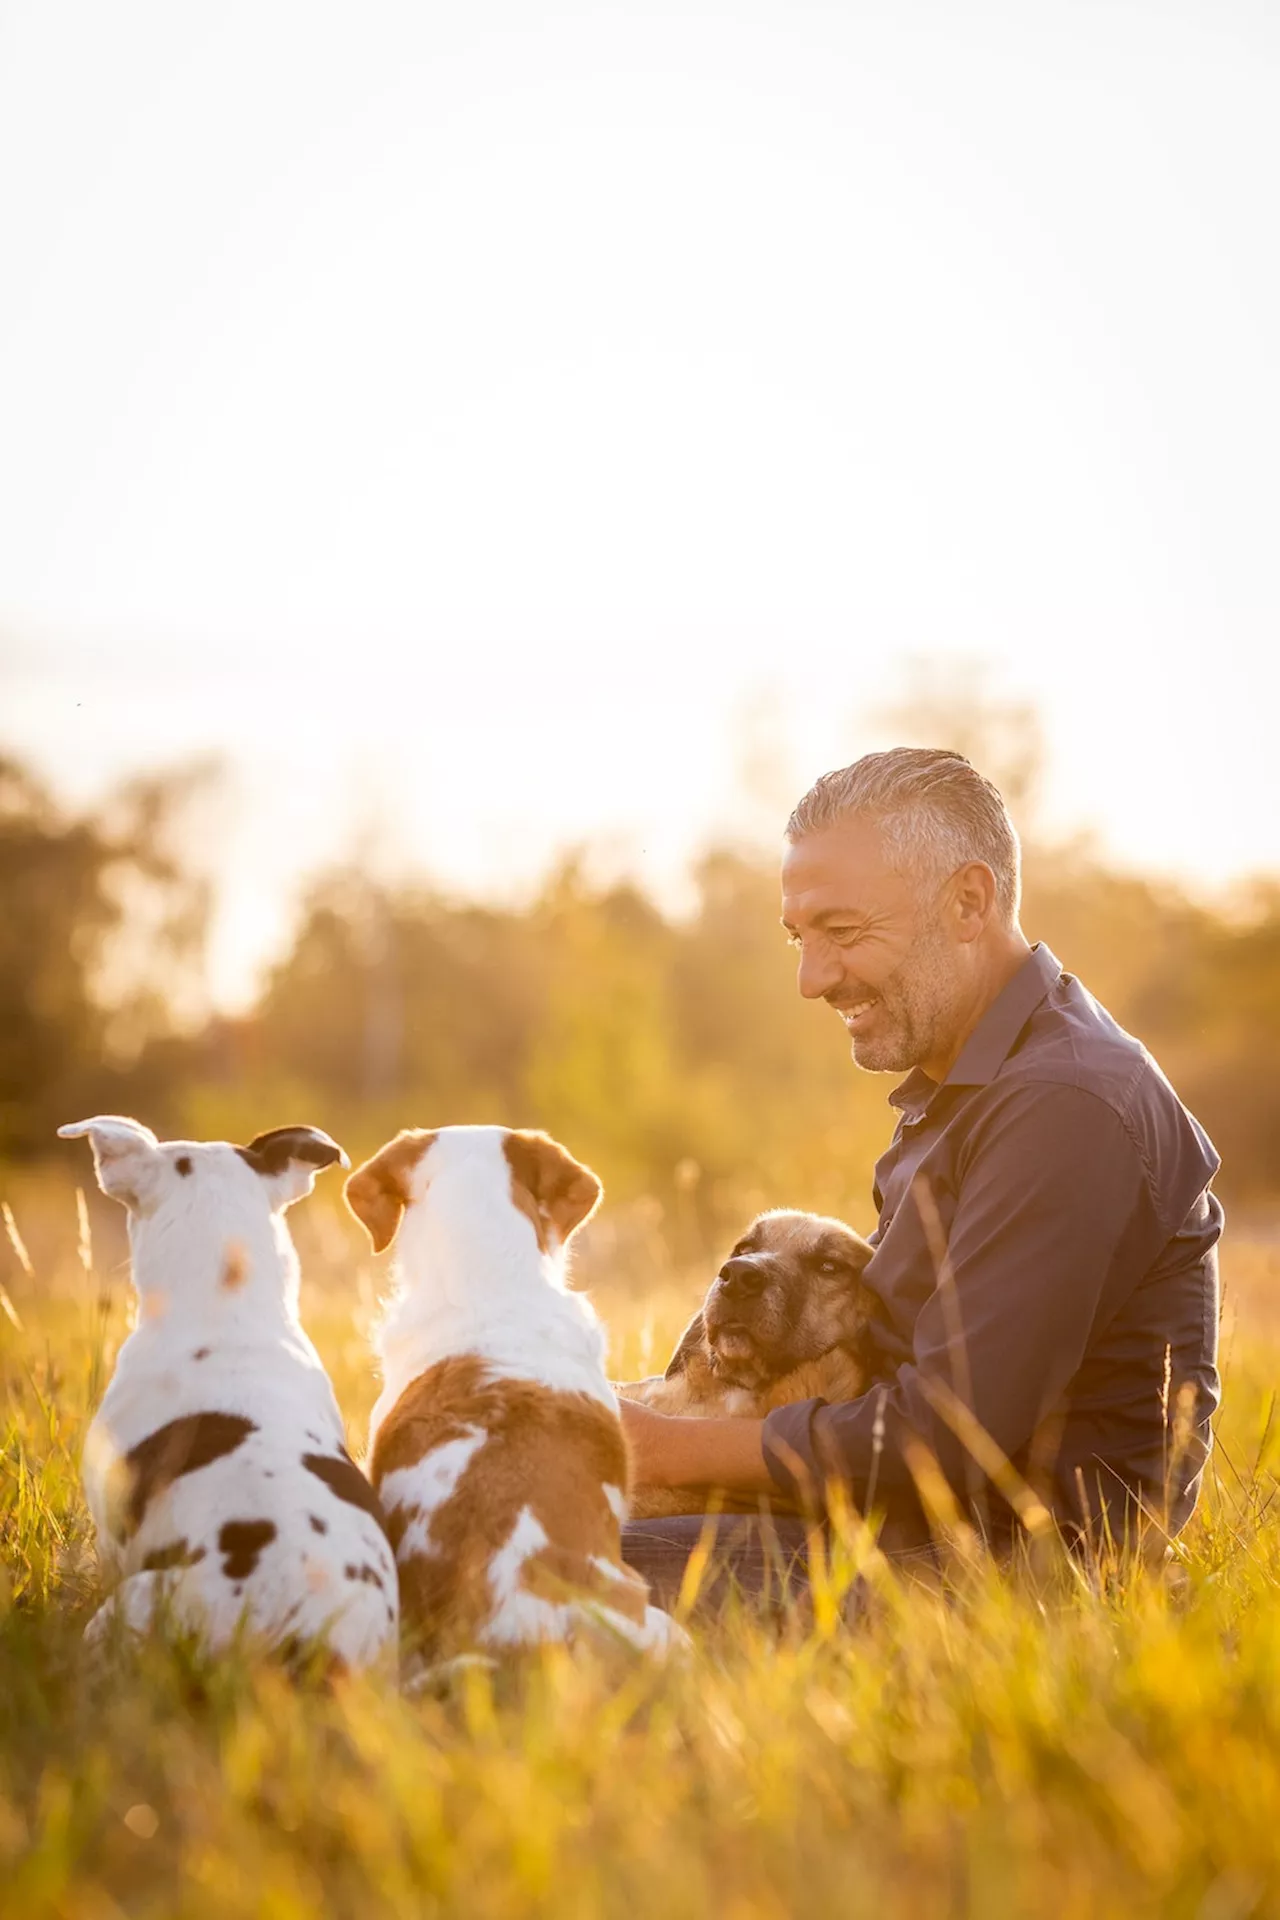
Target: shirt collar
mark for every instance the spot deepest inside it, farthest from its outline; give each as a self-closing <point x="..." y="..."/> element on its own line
<point x="991" y="1042"/>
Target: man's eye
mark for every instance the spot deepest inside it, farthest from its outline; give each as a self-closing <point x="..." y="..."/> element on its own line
<point x="845" y="936"/>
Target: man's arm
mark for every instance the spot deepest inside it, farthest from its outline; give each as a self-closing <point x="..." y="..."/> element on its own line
<point x="1053" y="1212"/>
<point x="677" y="1450"/>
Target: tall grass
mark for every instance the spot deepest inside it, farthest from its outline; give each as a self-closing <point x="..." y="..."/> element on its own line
<point x="995" y="1745"/>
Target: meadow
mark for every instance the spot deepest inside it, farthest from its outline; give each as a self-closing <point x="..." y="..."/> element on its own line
<point x="1055" y="1740"/>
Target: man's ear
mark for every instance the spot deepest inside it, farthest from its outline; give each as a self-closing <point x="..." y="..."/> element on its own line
<point x="556" y="1191"/>
<point x="124" y="1154"/>
<point x="289" y="1158"/>
<point x="378" y="1192"/>
<point x="692" y="1340"/>
<point x="973" y="899"/>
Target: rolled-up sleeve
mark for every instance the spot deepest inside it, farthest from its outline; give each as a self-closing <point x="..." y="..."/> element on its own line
<point x="1053" y="1208"/>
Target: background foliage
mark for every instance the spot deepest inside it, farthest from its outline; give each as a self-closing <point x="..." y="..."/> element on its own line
<point x="669" y="1050"/>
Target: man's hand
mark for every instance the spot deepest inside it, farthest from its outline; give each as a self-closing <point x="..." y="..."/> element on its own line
<point x="669" y="1450"/>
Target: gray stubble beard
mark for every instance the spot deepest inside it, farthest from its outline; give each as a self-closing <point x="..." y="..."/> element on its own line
<point x="916" y="1029"/>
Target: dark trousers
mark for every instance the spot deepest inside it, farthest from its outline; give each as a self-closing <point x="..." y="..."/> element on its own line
<point x="761" y="1559"/>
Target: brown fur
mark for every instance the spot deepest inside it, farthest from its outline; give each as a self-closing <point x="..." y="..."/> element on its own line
<point x="548" y="1185"/>
<point x="241" y="1542"/>
<point x="550" y="1451"/>
<point x="192" y="1441"/>
<point x="826" y="1316"/>
<point x="176" y="1554"/>
<point x="378" y="1192"/>
<point x="345" y="1482"/>
<point x="235" y="1266"/>
<point x="555" y="1192"/>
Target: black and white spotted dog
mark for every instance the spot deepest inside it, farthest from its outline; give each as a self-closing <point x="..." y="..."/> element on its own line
<point x="215" y="1469"/>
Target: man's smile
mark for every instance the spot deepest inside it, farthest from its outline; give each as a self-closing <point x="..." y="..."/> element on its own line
<point x="854" y="1013"/>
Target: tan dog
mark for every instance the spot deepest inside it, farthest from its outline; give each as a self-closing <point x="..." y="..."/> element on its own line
<point x="786" y="1318"/>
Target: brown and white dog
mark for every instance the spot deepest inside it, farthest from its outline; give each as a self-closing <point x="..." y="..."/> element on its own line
<point x="496" y="1446"/>
<point x="786" y="1318"/>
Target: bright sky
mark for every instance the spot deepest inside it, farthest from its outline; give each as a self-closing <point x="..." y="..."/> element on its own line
<point x="479" y="421"/>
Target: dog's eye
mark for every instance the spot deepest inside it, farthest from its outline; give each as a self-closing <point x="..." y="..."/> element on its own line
<point x="830" y="1266"/>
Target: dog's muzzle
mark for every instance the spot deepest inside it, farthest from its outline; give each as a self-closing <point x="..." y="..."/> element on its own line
<point x="743" y="1277"/>
<point x="731" y="1308"/>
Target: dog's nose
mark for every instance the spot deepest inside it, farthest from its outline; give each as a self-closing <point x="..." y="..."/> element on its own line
<point x="742" y="1275"/>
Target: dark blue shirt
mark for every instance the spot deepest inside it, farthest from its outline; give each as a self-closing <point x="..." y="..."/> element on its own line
<point x="1046" y="1256"/>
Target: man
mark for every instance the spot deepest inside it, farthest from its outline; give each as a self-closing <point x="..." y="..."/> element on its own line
<point x="1045" y="1257"/>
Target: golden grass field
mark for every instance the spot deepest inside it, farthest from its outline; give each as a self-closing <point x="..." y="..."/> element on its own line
<point x="1006" y="1745"/>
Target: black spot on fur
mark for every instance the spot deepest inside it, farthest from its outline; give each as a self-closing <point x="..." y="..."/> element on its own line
<point x="320" y="1526"/>
<point x="344" y="1479"/>
<point x="242" y="1541"/>
<point x="177" y="1554"/>
<point x="183" y="1446"/>
<point x="270" y="1153"/>
<point x="202" y="1353"/>
<point x="183" y="1164"/>
<point x="368" y="1576"/>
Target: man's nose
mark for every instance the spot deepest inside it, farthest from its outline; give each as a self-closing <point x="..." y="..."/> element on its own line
<point x="742" y="1276"/>
<point x="818" y="971"/>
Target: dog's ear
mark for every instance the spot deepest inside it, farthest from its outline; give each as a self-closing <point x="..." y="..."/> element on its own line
<point x="692" y="1340"/>
<point x="556" y="1191"/>
<point x="126" y="1155"/>
<point x="378" y="1192"/>
<point x="860" y="1250"/>
<point x="289" y="1158"/>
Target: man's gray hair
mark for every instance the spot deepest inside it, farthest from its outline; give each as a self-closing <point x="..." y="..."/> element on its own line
<point x="935" y="812"/>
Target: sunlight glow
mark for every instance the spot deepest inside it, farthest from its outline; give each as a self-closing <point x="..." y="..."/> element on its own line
<point x="463" y="419"/>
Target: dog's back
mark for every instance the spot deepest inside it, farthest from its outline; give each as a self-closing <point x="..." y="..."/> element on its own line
<point x="496" y="1446"/>
<point x="242" y="1513"/>
<point x="215" y="1470"/>
<point x="503" y="1499"/>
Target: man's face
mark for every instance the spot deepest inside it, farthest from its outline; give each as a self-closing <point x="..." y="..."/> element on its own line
<point x="875" y="946"/>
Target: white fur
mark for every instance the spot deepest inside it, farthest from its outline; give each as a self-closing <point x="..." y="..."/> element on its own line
<point x="522" y="1617"/>
<point x="427" y="1485"/>
<point x="186" y="1232"/>
<point x="470" y="1279"/>
<point x="466" y="1281"/>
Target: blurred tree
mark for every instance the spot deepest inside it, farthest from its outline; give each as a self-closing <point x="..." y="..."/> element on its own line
<point x="951" y="703"/>
<point x="675" y="1054"/>
<point x="401" y="996"/>
<point x="149" y="972"/>
<point x="56" y="914"/>
<point x="672" y="1052"/>
<point x="81" y="985"/>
